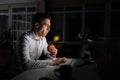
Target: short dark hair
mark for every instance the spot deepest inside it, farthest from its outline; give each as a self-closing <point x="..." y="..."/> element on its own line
<point x="38" y="17"/>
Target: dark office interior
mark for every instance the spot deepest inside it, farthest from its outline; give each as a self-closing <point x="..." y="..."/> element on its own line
<point x="73" y="22"/>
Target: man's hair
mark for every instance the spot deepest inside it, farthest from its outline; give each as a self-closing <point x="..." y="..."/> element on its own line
<point x="38" y="17"/>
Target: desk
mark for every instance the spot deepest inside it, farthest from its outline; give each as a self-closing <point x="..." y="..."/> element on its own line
<point x="79" y="72"/>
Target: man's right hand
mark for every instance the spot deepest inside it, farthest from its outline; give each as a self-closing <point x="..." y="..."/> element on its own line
<point x="58" y="61"/>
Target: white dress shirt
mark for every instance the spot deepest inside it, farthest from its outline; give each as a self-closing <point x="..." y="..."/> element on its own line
<point x="30" y="50"/>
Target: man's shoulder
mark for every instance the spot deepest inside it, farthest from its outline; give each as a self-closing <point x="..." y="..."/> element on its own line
<point x="28" y="33"/>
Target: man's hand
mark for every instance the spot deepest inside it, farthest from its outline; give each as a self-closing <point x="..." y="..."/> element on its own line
<point x="53" y="51"/>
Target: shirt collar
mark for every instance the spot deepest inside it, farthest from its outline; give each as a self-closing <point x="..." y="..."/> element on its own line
<point x="34" y="36"/>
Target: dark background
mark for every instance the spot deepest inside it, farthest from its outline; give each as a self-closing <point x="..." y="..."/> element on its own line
<point x="98" y="19"/>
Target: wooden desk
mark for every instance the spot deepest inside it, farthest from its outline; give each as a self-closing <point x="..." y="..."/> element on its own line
<point x="79" y="72"/>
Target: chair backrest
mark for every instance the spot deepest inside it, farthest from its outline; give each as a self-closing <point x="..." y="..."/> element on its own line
<point x="16" y="62"/>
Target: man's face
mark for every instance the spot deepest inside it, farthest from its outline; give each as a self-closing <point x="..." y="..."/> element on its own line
<point x="44" y="27"/>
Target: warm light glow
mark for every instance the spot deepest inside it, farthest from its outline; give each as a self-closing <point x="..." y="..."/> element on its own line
<point x="56" y="38"/>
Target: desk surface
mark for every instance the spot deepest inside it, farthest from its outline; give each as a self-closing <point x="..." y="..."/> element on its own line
<point x="80" y="72"/>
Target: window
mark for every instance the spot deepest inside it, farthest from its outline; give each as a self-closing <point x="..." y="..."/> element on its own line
<point x="4" y="17"/>
<point x="94" y="24"/>
<point x="3" y="23"/>
<point x="70" y="22"/>
<point x="115" y="16"/>
<point x="21" y="20"/>
<point x="73" y="26"/>
<point x="65" y="23"/>
<point x="56" y="26"/>
<point x="17" y="18"/>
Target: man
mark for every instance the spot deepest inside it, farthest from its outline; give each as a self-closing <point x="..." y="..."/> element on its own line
<point x="33" y="46"/>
